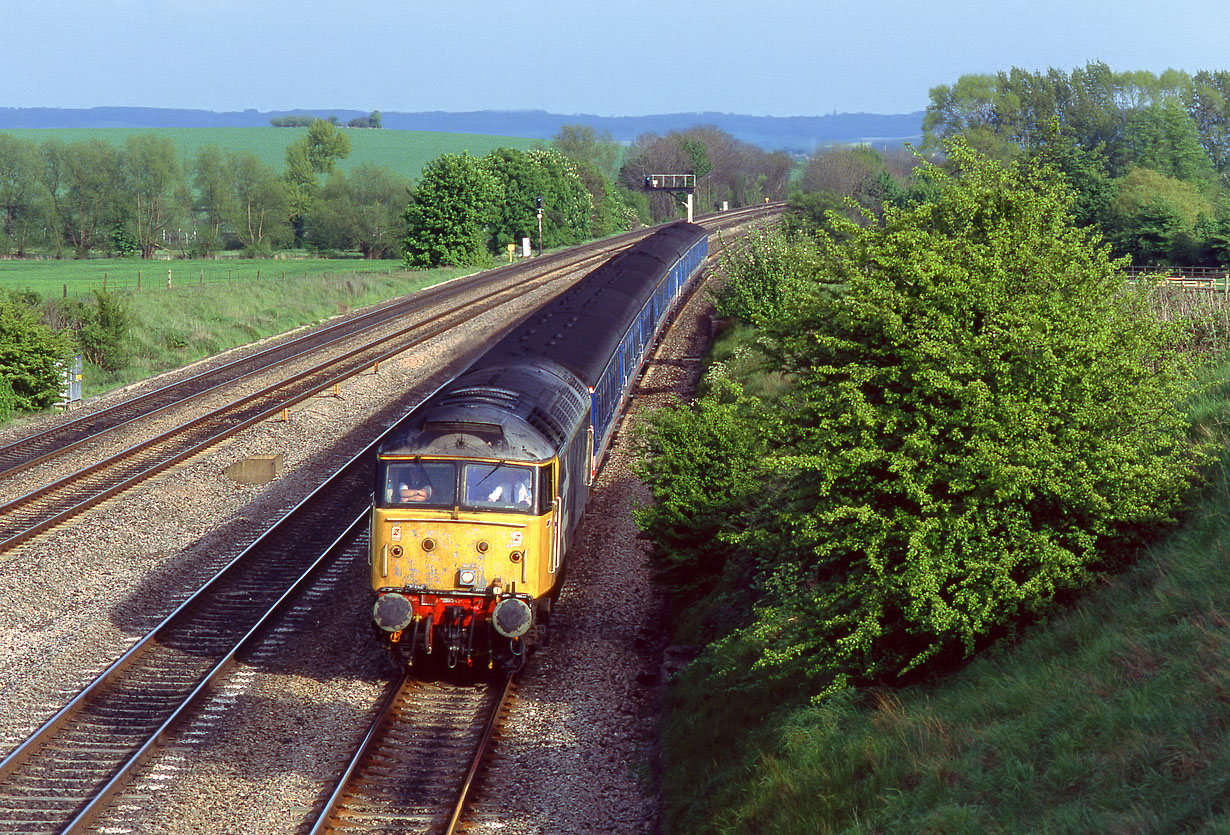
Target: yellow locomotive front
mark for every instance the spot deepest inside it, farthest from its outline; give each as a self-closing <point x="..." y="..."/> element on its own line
<point x="460" y="548"/>
<point x="476" y="495"/>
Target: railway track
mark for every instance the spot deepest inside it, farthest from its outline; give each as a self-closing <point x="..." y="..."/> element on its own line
<point x="77" y="764"/>
<point x="34" y="449"/>
<point x="57" y="501"/>
<point x="66" y="773"/>
<point x="31" y="450"/>
<point x="416" y="767"/>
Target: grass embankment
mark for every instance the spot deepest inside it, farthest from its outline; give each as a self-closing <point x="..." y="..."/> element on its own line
<point x="1111" y="717"/>
<point x="197" y="318"/>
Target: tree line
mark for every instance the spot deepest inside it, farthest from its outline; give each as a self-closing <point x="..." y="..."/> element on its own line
<point x="466" y="210"/>
<point x="1147" y="155"/>
<point x="145" y="197"/>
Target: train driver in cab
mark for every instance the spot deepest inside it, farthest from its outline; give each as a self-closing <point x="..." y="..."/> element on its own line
<point x="413" y="492"/>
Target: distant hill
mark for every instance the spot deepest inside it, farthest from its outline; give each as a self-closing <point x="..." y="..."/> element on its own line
<point x="790" y="133"/>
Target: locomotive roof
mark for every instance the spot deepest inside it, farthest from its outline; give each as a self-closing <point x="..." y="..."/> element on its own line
<point x="518" y="411"/>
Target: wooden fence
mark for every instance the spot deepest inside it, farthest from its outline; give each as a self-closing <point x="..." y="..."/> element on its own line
<point x="1196" y="278"/>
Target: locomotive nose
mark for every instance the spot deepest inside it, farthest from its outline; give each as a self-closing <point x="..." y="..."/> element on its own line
<point x="393" y="611"/>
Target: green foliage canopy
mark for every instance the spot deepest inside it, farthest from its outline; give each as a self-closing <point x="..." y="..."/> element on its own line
<point x="978" y="413"/>
<point x="451" y="212"/>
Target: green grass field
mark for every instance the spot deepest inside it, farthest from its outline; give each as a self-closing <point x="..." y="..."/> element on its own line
<point x="54" y="278"/>
<point x="190" y="321"/>
<point x="400" y="151"/>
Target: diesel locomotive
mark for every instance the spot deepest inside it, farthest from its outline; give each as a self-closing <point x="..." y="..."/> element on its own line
<point x="480" y="488"/>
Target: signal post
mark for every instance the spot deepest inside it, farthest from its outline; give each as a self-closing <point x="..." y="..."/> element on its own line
<point x="674" y="183"/>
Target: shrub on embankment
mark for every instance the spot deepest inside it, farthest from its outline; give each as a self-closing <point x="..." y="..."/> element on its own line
<point x="976" y="421"/>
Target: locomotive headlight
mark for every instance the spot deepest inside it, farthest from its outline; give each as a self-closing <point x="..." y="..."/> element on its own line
<point x="467" y="577"/>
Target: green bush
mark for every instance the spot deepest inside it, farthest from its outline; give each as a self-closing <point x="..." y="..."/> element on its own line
<point x="979" y="416"/>
<point x="8" y="399"/>
<point x="104" y="337"/>
<point x="31" y="354"/>
<point x="763" y="272"/>
<point x="703" y="462"/>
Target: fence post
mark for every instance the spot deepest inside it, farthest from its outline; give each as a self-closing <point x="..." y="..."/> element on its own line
<point x="138" y="281"/>
<point x="104" y="281"/>
<point x="168" y="279"/>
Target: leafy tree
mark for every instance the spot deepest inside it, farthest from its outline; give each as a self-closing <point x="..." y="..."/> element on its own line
<point x="257" y="215"/>
<point x="1153" y="217"/>
<point x="581" y="143"/>
<point x="1086" y="171"/>
<point x="23" y="203"/>
<point x="31" y="354"/>
<point x="85" y="183"/>
<point x="361" y="210"/>
<point x="528" y="175"/>
<point x="609" y="213"/>
<point x="156" y="187"/>
<point x="697" y="154"/>
<point x="1208" y="104"/>
<point x="451" y="213"/>
<point x="212" y="189"/>
<point x="1165" y="139"/>
<point x="979" y="415"/>
<point x="307" y="160"/>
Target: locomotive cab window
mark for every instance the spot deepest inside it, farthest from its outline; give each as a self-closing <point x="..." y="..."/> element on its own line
<point x="489" y="486"/>
<point x="418" y="483"/>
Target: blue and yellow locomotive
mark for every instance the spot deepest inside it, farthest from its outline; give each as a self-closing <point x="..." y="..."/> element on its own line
<point x="479" y="489"/>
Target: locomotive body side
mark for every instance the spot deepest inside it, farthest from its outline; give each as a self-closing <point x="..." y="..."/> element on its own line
<point x="506" y="453"/>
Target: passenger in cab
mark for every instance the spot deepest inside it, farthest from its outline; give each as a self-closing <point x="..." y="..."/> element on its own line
<point x="513" y="490"/>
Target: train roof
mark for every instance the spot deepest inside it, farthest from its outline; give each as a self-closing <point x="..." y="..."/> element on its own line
<point x="522" y="397"/>
<point x="574" y="329"/>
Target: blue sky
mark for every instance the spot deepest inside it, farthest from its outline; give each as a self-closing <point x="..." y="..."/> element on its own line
<point x="610" y="58"/>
